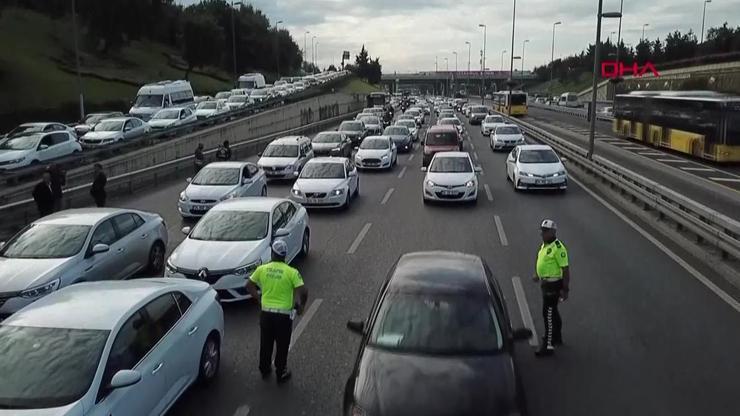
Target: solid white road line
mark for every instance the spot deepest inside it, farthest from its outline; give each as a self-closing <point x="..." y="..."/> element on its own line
<point x="620" y="142"/>
<point x="698" y="169"/>
<point x="521" y="300"/>
<point x="675" y="257"/>
<point x="650" y="153"/>
<point x="303" y="322"/>
<point x="472" y="145"/>
<point x="500" y="229"/>
<point x="359" y="238"/>
<point x="634" y="148"/>
<point x="243" y="410"/>
<point x="400" y="175"/>
<point x="488" y="192"/>
<point x="387" y="196"/>
<point x="475" y="155"/>
<point x="674" y="161"/>
<point x="725" y="179"/>
<point x="411" y="157"/>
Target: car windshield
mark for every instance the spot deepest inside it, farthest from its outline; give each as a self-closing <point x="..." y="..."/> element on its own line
<point x="508" y="130"/>
<point x="47" y="367"/>
<point x="370" y="120"/>
<point x="323" y="171"/>
<point x="281" y="150"/>
<point x="350" y="126"/>
<point x="238" y="99"/>
<point x="21" y="143"/>
<point x="494" y="119"/>
<point x="538" y="156"/>
<point x="431" y="323"/>
<point x="451" y="121"/>
<point x="109" y="125"/>
<point x="328" y="138"/>
<point x="232" y="226"/>
<point x="374" y="143"/>
<point x="451" y="165"/>
<point x="217" y="176"/>
<point x="397" y="131"/>
<point x="167" y="115"/>
<point x="248" y="84"/>
<point x="208" y="105"/>
<point x="222" y="94"/>
<point x="406" y="123"/>
<point x="27" y="128"/>
<point x="46" y="241"/>
<point x="441" y="139"/>
<point x="479" y="110"/>
<point x="148" y="100"/>
<point x="259" y="93"/>
<point x="93" y="118"/>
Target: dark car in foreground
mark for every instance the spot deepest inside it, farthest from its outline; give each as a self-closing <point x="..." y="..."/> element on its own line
<point x="438" y="343"/>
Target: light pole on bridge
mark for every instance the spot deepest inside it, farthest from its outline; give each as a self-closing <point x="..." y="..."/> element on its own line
<point x="483" y="66"/>
<point x="467" y="84"/>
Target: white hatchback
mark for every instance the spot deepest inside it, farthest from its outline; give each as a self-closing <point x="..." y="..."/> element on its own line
<point x="219" y="181"/>
<point x="450" y="177"/>
<point x="19" y="151"/>
<point x="376" y="152"/>
<point x="110" y="348"/>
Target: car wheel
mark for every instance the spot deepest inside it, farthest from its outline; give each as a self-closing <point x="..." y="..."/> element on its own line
<point x="347" y="202"/>
<point x="210" y="360"/>
<point x="264" y="191"/>
<point x="425" y="201"/>
<point x="305" y="243"/>
<point x="156" y="259"/>
<point x="516" y="186"/>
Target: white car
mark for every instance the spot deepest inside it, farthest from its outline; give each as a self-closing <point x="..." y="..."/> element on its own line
<point x="373" y="124"/>
<point x="222" y="95"/>
<point x="454" y="121"/>
<point x="172" y="117"/>
<point x="490" y="123"/>
<point x="411" y="125"/>
<point x="211" y="108"/>
<point x="261" y="94"/>
<point x="233" y="238"/>
<point x="536" y="167"/>
<point x="39" y="127"/>
<point x="450" y="176"/>
<point x="506" y="136"/>
<point x="326" y="182"/>
<point x="92" y="119"/>
<point x="376" y="152"/>
<point x="284" y="158"/>
<point x="113" y="130"/>
<point x="110" y="348"/>
<point x="78" y="245"/>
<point x="238" y="101"/>
<point x="219" y="181"/>
<point x="19" y="151"/>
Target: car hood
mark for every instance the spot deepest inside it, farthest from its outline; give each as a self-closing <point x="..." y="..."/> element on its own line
<point x="351" y="133"/>
<point x="318" y="185"/>
<point x="372" y="125"/>
<point x="446" y="179"/>
<point x="101" y="135"/>
<point x="492" y="125"/>
<point x="205" y="112"/>
<point x="13" y="154"/>
<point x="216" y="255"/>
<point x="145" y="111"/>
<point x="541" y="168"/>
<point x="372" y="153"/>
<point x="277" y="161"/>
<point x="208" y="191"/>
<point x="483" y="385"/>
<point x="400" y="138"/>
<point x="325" y="147"/>
<point x="162" y="122"/>
<point x="477" y="115"/>
<point x="22" y="274"/>
<point x="508" y="137"/>
<point x="74" y="409"/>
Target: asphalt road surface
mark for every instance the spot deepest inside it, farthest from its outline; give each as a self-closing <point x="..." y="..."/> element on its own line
<point x="643" y="336"/>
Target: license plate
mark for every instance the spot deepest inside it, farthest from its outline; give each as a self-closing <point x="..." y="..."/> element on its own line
<point x="313" y="200"/>
<point x="200" y="208"/>
<point x="541" y="182"/>
<point x="449" y="193"/>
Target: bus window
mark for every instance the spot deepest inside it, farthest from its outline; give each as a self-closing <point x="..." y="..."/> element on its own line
<point x="732" y="121"/>
<point x="518" y="99"/>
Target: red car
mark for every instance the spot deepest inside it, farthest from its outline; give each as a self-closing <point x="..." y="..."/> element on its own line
<point x="443" y="138"/>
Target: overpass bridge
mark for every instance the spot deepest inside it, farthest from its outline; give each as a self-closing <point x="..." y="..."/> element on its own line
<point x="443" y="82"/>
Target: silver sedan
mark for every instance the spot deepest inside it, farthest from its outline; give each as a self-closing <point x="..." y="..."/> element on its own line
<point x="326" y="182"/>
<point x="78" y="245"/>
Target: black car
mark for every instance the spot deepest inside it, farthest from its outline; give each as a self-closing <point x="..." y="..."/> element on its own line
<point x="353" y="129"/>
<point x="438" y="342"/>
<point x="332" y="143"/>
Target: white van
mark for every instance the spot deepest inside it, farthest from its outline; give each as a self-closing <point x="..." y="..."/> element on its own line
<point x="252" y="81"/>
<point x="569" y="99"/>
<point x="154" y="97"/>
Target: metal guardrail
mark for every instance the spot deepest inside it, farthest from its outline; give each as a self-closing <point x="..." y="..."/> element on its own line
<point x="578" y="112"/>
<point x="710" y="226"/>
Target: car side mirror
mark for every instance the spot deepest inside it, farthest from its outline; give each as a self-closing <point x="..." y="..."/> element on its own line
<point x="246" y="180"/>
<point x="521" y="334"/>
<point x="186" y="230"/>
<point x="357" y="327"/>
<point x="562" y="159"/>
<point x="188" y="180"/>
<point x="259" y="154"/>
<point x="2" y="244"/>
<point x="351" y="173"/>
<point x="281" y="232"/>
<point x="100" y="248"/>
<point x="357" y="147"/>
<point x="43" y="147"/>
<point x="423" y="168"/>
<point x="124" y="378"/>
<point x="478" y="169"/>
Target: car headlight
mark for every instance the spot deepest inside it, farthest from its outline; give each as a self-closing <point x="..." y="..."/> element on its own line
<point x="470" y="184"/>
<point x="561" y="173"/>
<point x="525" y="174"/>
<point x="183" y="196"/>
<point x="431" y="184"/>
<point x="385" y="157"/>
<point x="358" y="158"/>
<point x="247" y="269"/>
<point x="17" y="160"/>
<point x="230" y="195"/>
<point x="42" y="290"/>
<point x="337" y="192"/>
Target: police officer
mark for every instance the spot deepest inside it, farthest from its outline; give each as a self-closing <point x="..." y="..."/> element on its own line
<point x="282" y="290"/>
<point x="553" y="274"/>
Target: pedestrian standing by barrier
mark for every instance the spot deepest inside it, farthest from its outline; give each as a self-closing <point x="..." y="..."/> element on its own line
<point x="97" y="191"/>
<point x="224" y="151"/>
<point x="44" y="196"/>
<point x="58" y="179"/>
<point x="200" y="159"/>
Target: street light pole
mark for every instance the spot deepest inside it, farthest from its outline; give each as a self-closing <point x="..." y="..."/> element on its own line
<point x="316" y="51"/>
<point x="511" y="68"/>
<point x="467" y="84"/>
<point x="447" y="76"/>
<point x="483" y="66"/>
<point x="552" y="51"/>
<point x="277" y="48"/>
<point x="703" y="15"/>
<point x="523" y="45"/>
<point x="313" y="54"/>
<point x="644" y="25"/>
<point x="233" y="38"/>
<point x="502" y="59"/>
<point x="305" y="45"/>
<point x="77" y="61"/>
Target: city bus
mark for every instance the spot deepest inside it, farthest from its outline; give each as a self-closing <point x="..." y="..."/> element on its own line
<point x="512" y="103"/>
<point x="378" y="98"/>
<point x="703" y="124"/>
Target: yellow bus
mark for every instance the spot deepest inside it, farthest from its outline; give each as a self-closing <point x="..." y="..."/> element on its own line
<point x="704" y="124"/>
<point x="514" y="103"/>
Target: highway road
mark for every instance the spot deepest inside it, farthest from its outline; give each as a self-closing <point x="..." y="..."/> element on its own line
<point x="642" y="335"/>
<point x="713" y="185"/>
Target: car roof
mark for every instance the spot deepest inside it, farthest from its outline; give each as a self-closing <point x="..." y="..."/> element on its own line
<point x="535" y="147"/>
<point x="90" y="305"/>
<point x="439" y="272"/>
<point x="289" y="140"/>
<point x="230" y="164"/>
<point x="327" y="159"/>
<point x="125" y="118"/>
<point x="80" y="216"/>
<point x="377" y="137"/>
<point x="40" y="123"/>
<point x="259" y="204"/>
<point x="442" y="128"/>
<point x="452" y="154"/>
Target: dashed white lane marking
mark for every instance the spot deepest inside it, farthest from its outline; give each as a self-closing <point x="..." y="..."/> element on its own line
<point x="472" y="145"/>
<point x="500" y="229"/>
<point x="698" y="169"/>
<point x="411" y="157"/>
<point x="673" y="256"/>
<point x="303" y="322"/>
<point x="521" y="300"/>
<point x="475" y="155"/>
<point x="403" y="171"/>
<point x="387" y="196"/>
<point x="242" y="410"/>
<point x="358" y="239"/>
<point x="674" y="161"/>
<point x="634" y="148"/>
<point x="650" y="153"/>
<point x="726" y="180"/>
<point x="488" y="192"/>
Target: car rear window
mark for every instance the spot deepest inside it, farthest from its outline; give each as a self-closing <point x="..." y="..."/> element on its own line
<point x="446" y="138"/>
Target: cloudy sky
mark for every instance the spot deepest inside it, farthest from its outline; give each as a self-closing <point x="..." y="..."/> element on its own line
<point x="407" y="35"/>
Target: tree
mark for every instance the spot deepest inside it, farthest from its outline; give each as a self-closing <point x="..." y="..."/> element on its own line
<point x="374" y="71"/>
<point x="642" y="51"/>
<point x="332" y="68"/>
<point x="658" y="51"/>
<point x="200" y="33"/>
<point x="680" y="46"/>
